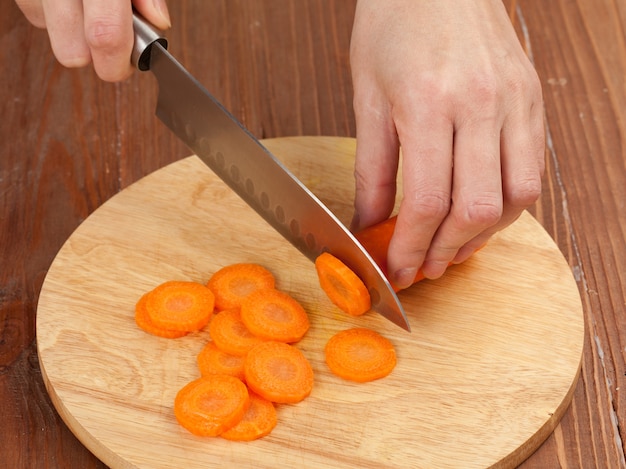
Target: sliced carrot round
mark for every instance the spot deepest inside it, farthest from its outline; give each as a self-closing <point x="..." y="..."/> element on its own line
<point x="180" y="306"/>
<point x="360" y="355"/>
<point x="274" y="315"/>
<point x="258" y="421"/>
<point x="232" y="283"/>
<point x="230" y="334"/>
<point x="211" y="405"/>
<point x="278" y="372"/>
<point x="342" y="286"/>
<point x="142" y="318"/>
<point x="213" y="361"/>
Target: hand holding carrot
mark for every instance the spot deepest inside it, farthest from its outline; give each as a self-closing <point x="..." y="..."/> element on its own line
<point x="94" y="31"/>
<point x="449" y="83"/>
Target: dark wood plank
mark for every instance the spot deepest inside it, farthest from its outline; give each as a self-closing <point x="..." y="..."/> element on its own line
<point x="54" y="170"/>
<point x="579" y="50"/>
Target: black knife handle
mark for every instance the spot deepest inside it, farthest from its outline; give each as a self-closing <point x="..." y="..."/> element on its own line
<point x="145" y="36"/>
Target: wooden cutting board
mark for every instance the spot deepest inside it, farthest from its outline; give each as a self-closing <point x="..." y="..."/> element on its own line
<point x="482" y="380"/>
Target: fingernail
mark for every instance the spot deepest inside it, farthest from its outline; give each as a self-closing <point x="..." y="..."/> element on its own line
<point x="161" y="8"/>
<point x="404" y="278"/>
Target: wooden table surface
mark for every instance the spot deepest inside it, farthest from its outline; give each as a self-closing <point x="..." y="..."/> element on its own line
<point x="68" y="142"/>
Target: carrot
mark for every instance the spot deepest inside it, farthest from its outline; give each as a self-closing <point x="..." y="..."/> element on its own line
<point x="213" y="361"/>
<point x="360" y="355"/>
<point x="274" y="315"/>
<point x="232" y="283"/>
<point x="343" y="287"/>
<point x="230" y="334"/>
<point x="278" y="372"/>
<point x="180" y="306"/>
<point x="212" y="404"/>
<point x="144" y="322"/>
<point x="375" y="239"/>
<point x="258" y="421"/>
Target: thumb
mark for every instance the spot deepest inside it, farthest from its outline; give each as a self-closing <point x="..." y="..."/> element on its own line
<point x="155" y="12"/>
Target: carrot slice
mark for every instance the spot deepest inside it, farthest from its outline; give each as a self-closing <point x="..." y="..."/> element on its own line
<point x="342" y="286"/>
<point x="258" y="421"/>
<point x="274" y="315"/>
<point x="142" y="318"/>
<point x="360" y="355"/>
<point x="278" y="372"/>
<point x="211" y="405"/>
<point x="180" y="306"/>
<point x="230" y="334"/>
<point x="213" y="361"/>
<point x="232" y="283"/>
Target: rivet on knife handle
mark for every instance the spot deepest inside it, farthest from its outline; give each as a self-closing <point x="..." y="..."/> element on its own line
<point x="145" y="36"/>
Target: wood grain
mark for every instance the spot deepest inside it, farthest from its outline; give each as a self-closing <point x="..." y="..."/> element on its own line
<point x="491" y="363"/>
<point x="70" y="142"/>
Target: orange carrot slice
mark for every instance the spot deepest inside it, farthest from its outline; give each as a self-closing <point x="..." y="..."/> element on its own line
<point x="230" y="334"/>
<point x="258" y="421"/>
<point x="232" y="283"/>
<point x="213" y="361"/>
<point x="342" y="286"/>
<point x="278" y="372"/>
<point x="142" y="318"/>
<point x="180" y="306"/>
<point x="274" y="315"/>
<point x="360" y="355"/>
<point x="211" y="405"/>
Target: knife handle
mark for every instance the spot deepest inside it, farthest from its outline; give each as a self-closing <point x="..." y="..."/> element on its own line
<point x="145" y="36"/>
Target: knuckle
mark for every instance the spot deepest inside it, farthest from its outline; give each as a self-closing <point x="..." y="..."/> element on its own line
<point x="428" y="206"/>
<point x="366" y="181"/>
<point x="104" y="33"/>
<point x="525" y="192"/>
<point x="485" y="88"/>
<point x="481" y="211"/>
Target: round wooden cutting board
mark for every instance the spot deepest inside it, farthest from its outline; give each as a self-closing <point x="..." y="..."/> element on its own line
<point x="483" y="378"/>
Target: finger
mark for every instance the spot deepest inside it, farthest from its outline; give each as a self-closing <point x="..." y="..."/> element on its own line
<point x="376" y="163"/>
<point x="64" y="22"/>
<point x="523" y="163"/>
<point x="155" y="12"/>
<point x="477" y="191"/>
<point x="33" y="11"/>
<point x="109" y="35"/>
<point x="427" y="174"/>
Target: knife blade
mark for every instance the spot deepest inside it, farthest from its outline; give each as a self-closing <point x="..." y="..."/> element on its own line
<point x="250" y="170"/>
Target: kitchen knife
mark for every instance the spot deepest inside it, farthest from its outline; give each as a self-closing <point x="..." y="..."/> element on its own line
<point x="260" y="179"/>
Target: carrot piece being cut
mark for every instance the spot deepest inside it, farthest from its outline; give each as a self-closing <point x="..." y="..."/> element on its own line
<point x="230" y="334"/>
<point x="274" y="315"/>
<point x="278" y="372"/>
<point x="376" y="238"/>
<point x="212" y="404"/>
<point x="213" y="361"/>
<point x="360" y="355"/>
<point x="342" y="286"/>
<point x="180" y="306"/>
<point x="258" y="421"/>
<point x="142" y="318"/>
<point x="232" y="283"/>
